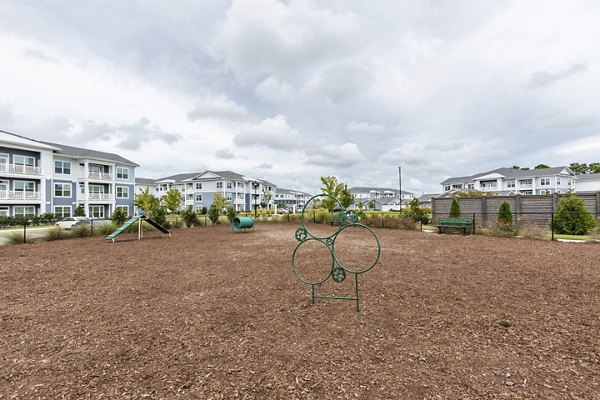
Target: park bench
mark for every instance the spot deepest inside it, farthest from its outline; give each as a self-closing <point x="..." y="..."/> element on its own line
<point x="454" y="223"/>
<point x="337" y="219"/>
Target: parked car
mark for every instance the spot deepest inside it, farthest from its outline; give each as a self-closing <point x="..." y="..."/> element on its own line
<point x="282" y="211"/>
<point x="69" y="222"/>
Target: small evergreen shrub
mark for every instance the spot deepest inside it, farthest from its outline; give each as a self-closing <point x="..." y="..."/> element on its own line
<point x="572" y="218"/>
<point x="504" y="214"/>
<point x="230" y="213"/>
<point x="189" y="217"/>
<point x="118" y="217"/>
<point x="213" y="214"/>
<point x="454" y="208"/>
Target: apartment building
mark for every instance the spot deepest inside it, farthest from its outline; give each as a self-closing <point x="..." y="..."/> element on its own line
<point x="380" y="198"/>
<point x="292" y="200"/>
<point x="199" y="189"/>
<point x="39" y="177"/>
<point x="516" y="181"/>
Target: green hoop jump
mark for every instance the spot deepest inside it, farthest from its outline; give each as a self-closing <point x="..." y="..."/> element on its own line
<point x="337" y="271"/>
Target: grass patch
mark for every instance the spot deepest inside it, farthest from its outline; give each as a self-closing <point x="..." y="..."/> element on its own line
<point x="55" y="233"/>
<point x="14" y="238"/>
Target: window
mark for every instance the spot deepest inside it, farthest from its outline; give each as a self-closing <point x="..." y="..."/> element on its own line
<point x="457" y="186"/>
<point x="124" y="208"/>
<point x="470" y="186"/>
<point x="82" y="188"/>
<point x="198" y="185"/>
<point x="569" y="182"/>
<point x="544" y="181"/>
<point x="189" y="197"/>
<point x="24" y="160"/>
<point x="3" y="158"/>
<point x="510" y="184"/>
<point x="446" y="188"/>
<point x="62" y="190"/>
<point x="62" y="167"/>
<point x="190" y="185"/>
<point x="24" y="211"/>
<point x="122" y="192"/>
<point x="198" y="208"/>
<point x="228" y="196"/>
<point x="62" y="211"/>
<point x="96" y="212"/>
<point x="122" y="173"/>
<point x="229" y="185"/>
<point x="241" y="196"/>
<point x="3" y="211"/>
<point x="198" y="197"/>
<point x="22" y="186"/>
<point x="96" y="189"/>
<point x="219" y="185"/>
<point x="557" y="181"/>
<point x="240" y="184"/>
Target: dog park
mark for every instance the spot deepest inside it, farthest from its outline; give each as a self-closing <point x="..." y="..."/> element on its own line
<point x="215" y="314"/>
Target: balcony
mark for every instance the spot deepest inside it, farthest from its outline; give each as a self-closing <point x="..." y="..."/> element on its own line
<point x="100" y="197"/>
<point x="100" y="176"/>
<point x="19" y="195"/>
<point x="20" y="169"/>
<point x="525" y="185"/>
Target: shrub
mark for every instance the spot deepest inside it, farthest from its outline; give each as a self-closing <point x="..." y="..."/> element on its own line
<point x="118" y="217"/>
<point x="454" y="209"/>
<point x="159" y="214"/>
<point x="79" y="212"/>
<point x="213" y="214"/>
<point x="502" y="229"/>
<point x="189" y="217"/>
<point x="81" y="230"/>
<point x="572" y="218"/>
<point x="55" y="233"/>
<point x="179" y="223"/>
<point x="504" y="214"/>
<point x="531" y="231"/>
<point x="230" y="213"/>
<point x="105" y="229"/>
<point x="14" y="238"/>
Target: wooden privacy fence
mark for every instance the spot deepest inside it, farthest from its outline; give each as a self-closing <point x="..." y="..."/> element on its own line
<point x="536" y="209"/>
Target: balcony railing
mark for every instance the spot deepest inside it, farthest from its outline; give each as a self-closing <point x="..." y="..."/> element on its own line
<point x="19" y="195"/>
<point x="100" y="196"/>
<point x="20" y="169"/>
<point x="100" y="176"/>
<point x="525" y="185"/>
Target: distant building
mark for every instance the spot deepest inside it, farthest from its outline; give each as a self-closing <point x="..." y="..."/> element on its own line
<point x="382" y="199"/>
<point x="587" y="183"/>
<point x="425" y="199"/>
<point x="515" y="181"/>
<point x="292" y="200"/>
<point x="41" y="177"/>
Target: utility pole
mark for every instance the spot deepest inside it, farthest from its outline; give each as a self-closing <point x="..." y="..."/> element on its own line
<point x="400" y="185"/>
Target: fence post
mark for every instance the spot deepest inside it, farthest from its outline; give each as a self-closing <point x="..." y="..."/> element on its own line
<point x="24" y="232"/>
<point x="552" y="224"/>
<point x="382" y="220"/>
<point x="314" y="217"/>
<point x="473" y="223"/>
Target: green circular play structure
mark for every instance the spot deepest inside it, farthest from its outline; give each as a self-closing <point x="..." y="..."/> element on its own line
<point x="337" y="271"/>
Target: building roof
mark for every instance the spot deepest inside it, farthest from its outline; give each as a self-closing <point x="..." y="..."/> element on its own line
<point x="367" y="189"/>
<point x="290" y="191"/>
<point x="144" y="181"/>
<point x="509" y="173"/>
<point x="588" y="177"/>
<point x="426" y="197"/>
<point x="80" y="152"/>
<point x="178" y="178"/>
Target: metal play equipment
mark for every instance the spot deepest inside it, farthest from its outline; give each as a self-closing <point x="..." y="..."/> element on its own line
<point x="242" y="223"/>
<point x="338" y="272"/>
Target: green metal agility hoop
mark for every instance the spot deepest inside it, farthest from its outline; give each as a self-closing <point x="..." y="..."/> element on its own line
<point x="338" y="272"/>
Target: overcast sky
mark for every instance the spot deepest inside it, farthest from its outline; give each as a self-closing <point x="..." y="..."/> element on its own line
<point x="289" y="91"/>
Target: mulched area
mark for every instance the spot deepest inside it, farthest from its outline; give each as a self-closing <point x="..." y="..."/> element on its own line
<point x="212" y="314"/>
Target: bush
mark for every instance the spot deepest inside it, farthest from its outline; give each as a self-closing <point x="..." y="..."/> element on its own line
<point x="189" y="217"/>
<point x="105" y="229"/>
<point x="504" y="214"/>
<point x="230" y="213"/>
<point x="454" y="209"/>
<point x="213" y="214"/>
<point x="81" y="230"/>
<point x="159" y="215"/>
<point x="404" y="223"/>
<point x="14" y="238"/>
<point x="118" y="217"/>
<point x="55" y="233"/>
<point x="79" y="212"/>
<point x="502" y="229"/>
<point x="572" y="218"/>
<point x="179" y="223"/>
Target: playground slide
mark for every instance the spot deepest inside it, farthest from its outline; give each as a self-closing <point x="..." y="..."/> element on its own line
<point x="120" y="230"/>
<point x="157" y="226"/>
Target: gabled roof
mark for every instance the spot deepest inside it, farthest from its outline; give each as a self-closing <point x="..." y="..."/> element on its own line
<point x="588" y="177"/>
<point x="144" y="181"/>
<point x="19" y="140"/>
<point x="367" y="189"/>
<point x="426" y="197"/>
<point x="80" y="152"/>
<point x="510" y="173"/>
<point x="178" y="178"/>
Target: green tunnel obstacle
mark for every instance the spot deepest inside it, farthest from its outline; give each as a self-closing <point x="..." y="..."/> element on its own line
<point x="239" y="223"/>
<point x="338" y="271"/>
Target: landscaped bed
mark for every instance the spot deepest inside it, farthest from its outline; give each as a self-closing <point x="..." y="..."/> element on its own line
<point x="213" y="314"/>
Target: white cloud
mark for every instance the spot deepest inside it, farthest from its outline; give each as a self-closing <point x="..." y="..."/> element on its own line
<point x="274" y="133"/>
<point x="218" y="107"/>
<point x="344" y="156"/>
<point x="363" y="129"/>
<point x="274" y="90"/>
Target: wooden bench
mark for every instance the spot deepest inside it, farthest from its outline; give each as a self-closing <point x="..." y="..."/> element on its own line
<point x="454" y="223"/>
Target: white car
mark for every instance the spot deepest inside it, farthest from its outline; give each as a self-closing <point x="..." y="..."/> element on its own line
<point x="69" y="222"/>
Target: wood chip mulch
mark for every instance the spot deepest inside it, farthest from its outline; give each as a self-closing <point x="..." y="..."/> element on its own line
<point x="213" y="314"/>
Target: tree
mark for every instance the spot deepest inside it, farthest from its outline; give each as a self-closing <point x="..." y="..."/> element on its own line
<point x="220" y="202"/>
<point x="454" y="209"/>
<point x="572" y="218"/>
<point x="213" y="213"/>
<point x="332" y="187"/>
<point x="230" y="213"/>
<point x="579" y="168"/>
<point x="145" y="200"/>
<point x="267" y="196"/>
<point x="118" y="217"/>
<point x="172" y="199"/>
<point x="541" y="166"/>
<point x="79" y="212"/>
<point x="515" y="167"/>
<point x="594" y="168"/>
<point x="346" y="198"/>
<point x="504" y="214"/>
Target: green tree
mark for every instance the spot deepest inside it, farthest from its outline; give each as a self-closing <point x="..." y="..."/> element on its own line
<point x="594" y="168"/>
<point x="118" y="216"/>
<point x="213" y="213"/>
<point x="454" y="209"/>
<point x="579" y="168"/>
<point x="541" y="166"/>
<point x="572" y="218"/>
<point x="504" y="214"/>
<point x="332" y="187"/>
<point x="145" y="200"/>
<point x="79" y="212"/>
<point x="230" y="213"/>
<point x="267" y="196"/>
<point x="346" y="198"/>
<point x="172" y="200"/>
<point x="220" y="202"/>
<point x="515" y="167"/>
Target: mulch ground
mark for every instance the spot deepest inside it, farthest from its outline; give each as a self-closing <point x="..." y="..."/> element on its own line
<point x="212" y="314"/>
